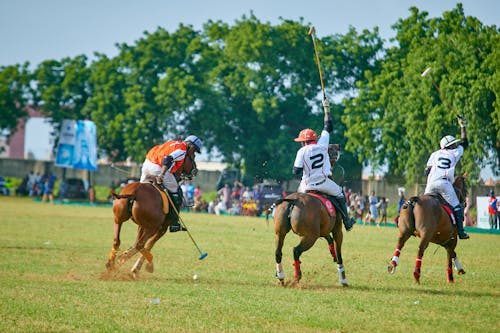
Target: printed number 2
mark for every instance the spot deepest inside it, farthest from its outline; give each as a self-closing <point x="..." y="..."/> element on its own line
<point x="317" y="161"/>
<point x="444" y="163"/>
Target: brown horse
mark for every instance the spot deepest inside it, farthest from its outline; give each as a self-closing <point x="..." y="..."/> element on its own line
<point x="424" y="217"/>
<point x="308" y="217"/>
<point x="143" y="203"/>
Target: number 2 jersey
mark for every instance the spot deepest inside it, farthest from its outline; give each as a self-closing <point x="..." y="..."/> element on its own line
<point x="314" y="160"/>
<point x="442" y="163"/>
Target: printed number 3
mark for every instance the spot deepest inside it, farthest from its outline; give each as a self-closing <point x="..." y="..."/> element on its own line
<point x="317" y="161"/>
<point x="444" y="163"/>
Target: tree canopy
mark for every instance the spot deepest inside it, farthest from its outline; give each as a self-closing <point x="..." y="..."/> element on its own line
<point x="248" y="89"/>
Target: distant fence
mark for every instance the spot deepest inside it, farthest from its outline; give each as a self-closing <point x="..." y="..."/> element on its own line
<point x="106" y="175"/>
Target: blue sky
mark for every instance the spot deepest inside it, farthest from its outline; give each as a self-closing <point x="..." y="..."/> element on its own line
<point x="37" y="30"/>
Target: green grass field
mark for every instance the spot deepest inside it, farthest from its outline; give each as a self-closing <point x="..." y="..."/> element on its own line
<point x="52" y="279"/>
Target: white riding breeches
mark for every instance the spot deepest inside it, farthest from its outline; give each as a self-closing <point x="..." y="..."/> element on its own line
<point x="445" y="188"/>
<point x="151" y="169"/>
<point x="328" y="186"/>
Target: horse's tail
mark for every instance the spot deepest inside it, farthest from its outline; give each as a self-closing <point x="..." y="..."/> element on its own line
<point x="123" y="196"/>
<point x="278" y="202"/>
<point x="409" y="205"/>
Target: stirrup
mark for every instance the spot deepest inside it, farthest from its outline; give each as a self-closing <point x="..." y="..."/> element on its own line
<point x="349" y="223"/>
<point x="463" y="235"/>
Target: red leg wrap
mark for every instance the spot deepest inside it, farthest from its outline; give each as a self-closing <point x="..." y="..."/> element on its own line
<point x="297" y="274"/>
<point x="333" y="252"/>
<point x="449" y="274"/>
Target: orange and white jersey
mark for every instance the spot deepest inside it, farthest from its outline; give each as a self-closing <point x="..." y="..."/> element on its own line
<point x="174" y="148"/>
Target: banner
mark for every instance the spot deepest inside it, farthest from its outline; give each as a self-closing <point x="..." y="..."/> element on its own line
<point x="483" y="221"/>
<point x="77" y="148"/>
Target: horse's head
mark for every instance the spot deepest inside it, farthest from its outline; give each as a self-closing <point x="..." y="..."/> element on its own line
<point x="460" y="187"/>
<point x="334" y="153"/>
<point x="188" y="169"/>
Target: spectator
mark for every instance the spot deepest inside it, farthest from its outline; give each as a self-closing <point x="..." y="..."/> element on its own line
<point x="247" y="195"/>
<point x="468" y="222"/>
<point x="48" y="188"/>
<point x="382" y="206"/>
<point x="373" y="212"/>
<point x="493" y="211"/>
<point x="190" y="194"/>
<point x="225" y="196"/>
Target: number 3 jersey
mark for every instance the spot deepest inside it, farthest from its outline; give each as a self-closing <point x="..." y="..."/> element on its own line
<point x="442" y="163"/>
<point x="313" y="158"/>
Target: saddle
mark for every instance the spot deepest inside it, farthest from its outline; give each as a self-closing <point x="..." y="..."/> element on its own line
<point x="445" y="205"/>
<point x="159" y="187"/>
<point x="326" y="200"/>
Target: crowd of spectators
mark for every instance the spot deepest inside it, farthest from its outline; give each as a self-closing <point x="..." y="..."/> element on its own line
<point x="230" y="200"/>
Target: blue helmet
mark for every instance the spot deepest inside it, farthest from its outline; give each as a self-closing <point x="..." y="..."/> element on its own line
<point x="195" y="141"/>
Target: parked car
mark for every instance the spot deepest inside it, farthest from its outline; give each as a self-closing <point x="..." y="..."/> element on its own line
<point x="268" y="194"/>
<point x="74" y="188"/>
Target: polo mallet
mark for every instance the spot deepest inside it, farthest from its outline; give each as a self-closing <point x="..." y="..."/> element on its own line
<point x="202" y="255"/>
<point x="426" y="73"/>
<point x="312" y="34"/>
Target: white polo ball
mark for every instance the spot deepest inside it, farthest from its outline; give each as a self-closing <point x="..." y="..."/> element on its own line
<point x="195" y="277"/>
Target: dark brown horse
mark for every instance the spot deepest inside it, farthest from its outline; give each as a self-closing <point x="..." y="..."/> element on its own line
<point x="308" y="217"/>
<point x="143" y="203"/>
<point x="424" y="217"/>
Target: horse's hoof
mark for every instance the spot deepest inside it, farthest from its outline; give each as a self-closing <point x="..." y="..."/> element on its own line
<point x="416" y="275"/>
<point x="391" y="269"/>
<point x="461" y="272"/>
<point x="345" y="285"/>
<point x="149" y="267"/>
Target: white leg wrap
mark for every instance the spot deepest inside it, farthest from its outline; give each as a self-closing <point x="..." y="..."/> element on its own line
<point x="395" y="259"/>
<point x="458" y="265"/>
<point x="279" y="271"/>
<point x="342" y="278"/>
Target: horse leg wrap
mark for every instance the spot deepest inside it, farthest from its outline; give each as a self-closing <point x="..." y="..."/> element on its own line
<point x="297" y="273"/>
<point x="342" y="277"/>
<point x="458" y="265"/>
<point x="418" y="264"/>
<point x="449" y="274"/>
<point x="333" y="252"/>
<point x="280" y="274"/>
<point x="395" y="258"/>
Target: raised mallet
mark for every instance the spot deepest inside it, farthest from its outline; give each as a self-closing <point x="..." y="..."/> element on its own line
<point x="426" y="73"/>
<point x="312" y="34"/>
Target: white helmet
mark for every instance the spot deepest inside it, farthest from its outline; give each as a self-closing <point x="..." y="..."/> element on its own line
<point x="448" y="141"/>
<point x="195" y="141"/>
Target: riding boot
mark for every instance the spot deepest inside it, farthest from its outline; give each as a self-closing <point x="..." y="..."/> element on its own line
<point x="458" y="212"/>
<point x="342" y="206"/>
<point x="175" y="225"/>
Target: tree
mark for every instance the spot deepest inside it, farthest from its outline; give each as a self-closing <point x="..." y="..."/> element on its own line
<point x="14" y="95"/>
<point x="399" y="117"/>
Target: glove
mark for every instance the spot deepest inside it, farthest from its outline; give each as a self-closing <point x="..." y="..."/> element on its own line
<point x="462" y="122"/>
<point x="168" y="161"/>
<point x="326" y="105"/>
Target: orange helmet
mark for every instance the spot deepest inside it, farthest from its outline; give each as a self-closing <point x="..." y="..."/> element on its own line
<point x="306" y="135"/>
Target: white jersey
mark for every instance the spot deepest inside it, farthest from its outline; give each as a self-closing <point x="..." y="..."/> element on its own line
<point x="314" y="160"/>
<point x="442" y="163"/>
